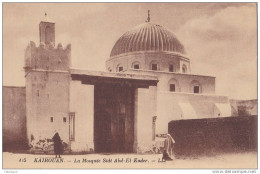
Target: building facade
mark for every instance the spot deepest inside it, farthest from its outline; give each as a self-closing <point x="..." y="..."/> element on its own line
<point x="147" y="83"/>
<point x="151" y="49"/>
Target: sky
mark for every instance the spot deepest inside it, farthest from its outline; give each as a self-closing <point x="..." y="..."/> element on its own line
<point x="220" y="38"/>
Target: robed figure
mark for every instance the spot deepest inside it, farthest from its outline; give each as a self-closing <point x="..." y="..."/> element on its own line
<point x="58" y="148"/>
<point x="168" y="153"/>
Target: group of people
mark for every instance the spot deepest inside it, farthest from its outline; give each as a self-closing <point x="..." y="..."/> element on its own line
<point x="167" y="153"/>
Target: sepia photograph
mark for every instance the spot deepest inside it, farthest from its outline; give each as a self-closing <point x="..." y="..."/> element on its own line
<point x="129" y="86"/>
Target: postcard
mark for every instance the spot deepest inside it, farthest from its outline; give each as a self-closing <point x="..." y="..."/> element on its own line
<point x="130" y="86"/>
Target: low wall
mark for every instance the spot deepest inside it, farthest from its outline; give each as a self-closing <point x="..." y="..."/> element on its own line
<point x="214" y="135"/>
<point x="14" y="118"/>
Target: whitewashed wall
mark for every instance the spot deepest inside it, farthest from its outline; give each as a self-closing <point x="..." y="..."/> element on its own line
<point x="82" y="103"/>
<point x="145" y="106"/>
<point x="169" y="107"/>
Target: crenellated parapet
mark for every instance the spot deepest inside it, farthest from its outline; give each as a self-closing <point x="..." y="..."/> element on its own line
<point x="47" y="57"/>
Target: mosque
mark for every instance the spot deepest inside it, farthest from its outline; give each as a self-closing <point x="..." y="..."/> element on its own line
<point x="147" y="83"/>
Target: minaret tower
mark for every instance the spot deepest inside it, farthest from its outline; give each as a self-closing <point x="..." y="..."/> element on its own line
<point x="47" y="86"/>
<point x="47" y="31"/>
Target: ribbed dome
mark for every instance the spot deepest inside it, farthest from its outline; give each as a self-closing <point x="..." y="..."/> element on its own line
<point x="147" y="37"/>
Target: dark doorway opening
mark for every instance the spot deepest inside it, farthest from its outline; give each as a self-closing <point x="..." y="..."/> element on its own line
<point x="113" y="118"/>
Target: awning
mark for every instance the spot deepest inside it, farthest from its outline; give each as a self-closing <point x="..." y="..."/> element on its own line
<point x="188" y="111"/>
<point x="222" y="110"/>
<point x="118" y="79"/>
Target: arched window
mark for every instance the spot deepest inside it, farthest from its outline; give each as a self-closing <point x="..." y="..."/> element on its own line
<point x="47" y="34"/>
<point x="173" y="85"/>
<point x="109" y="69"/>
<point x="154" y="66"/>
<point x="119" y="68"/>
<point x="171" y="68"/>
<point x="184" y="68"/>
<point x="136" y="65"/>
<point x="195" y="87"/>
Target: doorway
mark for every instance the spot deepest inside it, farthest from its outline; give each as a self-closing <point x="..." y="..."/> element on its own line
<point x="113" y="119"/>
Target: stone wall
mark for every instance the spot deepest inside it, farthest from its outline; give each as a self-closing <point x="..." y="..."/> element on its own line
<point x="47" y="57"/>
<point x="14" y="118"/>
<point x="213" y="136"/>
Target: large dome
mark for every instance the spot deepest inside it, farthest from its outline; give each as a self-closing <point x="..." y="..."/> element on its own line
<point x="147" y="37"/>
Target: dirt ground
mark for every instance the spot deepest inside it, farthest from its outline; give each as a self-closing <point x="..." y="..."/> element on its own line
<point x="224" y="161"/>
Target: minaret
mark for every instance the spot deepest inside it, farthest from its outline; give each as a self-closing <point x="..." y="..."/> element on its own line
<point x="47" y="31"/>
<point x="47" y="81"/>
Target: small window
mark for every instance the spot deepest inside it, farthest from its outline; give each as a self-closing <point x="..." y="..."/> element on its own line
<point x="120" y="68"/>
<point x="109" y="69"/>
<point x="51" y="119"/>
<point x="38" y="93"/>
<point x="184" y="69"/>
<point x="172" y="87"/>
<point x="136" y="66"/>
<point x="196" y="89"/>
<point x="171" y="69"/>
<point x="154" y="67"/>
<point x="64" y="119"/>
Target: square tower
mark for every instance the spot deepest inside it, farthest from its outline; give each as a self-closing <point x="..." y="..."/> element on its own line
<point x="47" y="86"/>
